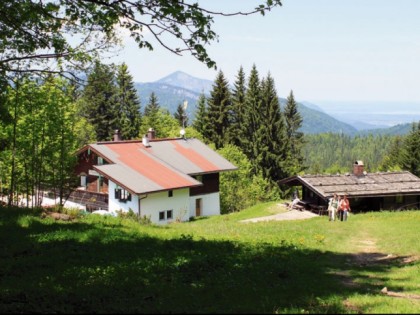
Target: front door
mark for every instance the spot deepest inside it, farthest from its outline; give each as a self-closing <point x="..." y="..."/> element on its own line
<point x="198" y="207"/>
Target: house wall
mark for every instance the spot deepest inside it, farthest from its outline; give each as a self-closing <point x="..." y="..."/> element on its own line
<point x="183" y="205"/>
<point x="116" y="205"/>
<point x="210" y="204"/>
<point x="152" y="204"/>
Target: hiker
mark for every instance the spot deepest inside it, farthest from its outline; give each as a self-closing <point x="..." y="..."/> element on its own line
<point x="339" y="208"/>
<point x="345" y="206"/>
<point x="332" y="207"/>
<point x="294" y="203"/>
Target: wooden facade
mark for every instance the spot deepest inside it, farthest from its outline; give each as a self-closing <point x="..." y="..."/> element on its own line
<point x="94" y="182"/>
<point x="366" y="191"/>
<point x="210" y="184"/>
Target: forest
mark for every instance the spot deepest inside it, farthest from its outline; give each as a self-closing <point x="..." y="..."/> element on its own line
<point x="44" y="122"/>
<point x="48" y="111"/>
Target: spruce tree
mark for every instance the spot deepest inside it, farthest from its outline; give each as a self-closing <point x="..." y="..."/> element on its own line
<point x="294" y="136"/>
<point x="151" y="114"/>
<point x="251" y="118"/>
<point x="128" y="104"/>
<point x="200" y="121"/>
<point x="152" y="106"/>
<point x="181" y="116"/>
<point x="99" y="98"/>
<point x="272" y="133"/>
<point x="410" y="157"/>
<point x="238" y="105"/>
<point x="219" y="106"/>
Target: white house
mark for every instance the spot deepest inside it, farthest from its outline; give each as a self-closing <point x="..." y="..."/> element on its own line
<point x="165" y="179"/>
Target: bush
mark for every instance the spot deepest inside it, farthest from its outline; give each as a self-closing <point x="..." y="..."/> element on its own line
<point x="131" y="215"/>
<point x="240" y="189"/>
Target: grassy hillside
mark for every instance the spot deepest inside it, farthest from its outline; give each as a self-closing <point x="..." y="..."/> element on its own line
<point x="99" y="264"/>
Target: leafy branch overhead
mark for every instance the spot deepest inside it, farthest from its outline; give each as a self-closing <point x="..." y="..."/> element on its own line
<point x="74" y="32"/>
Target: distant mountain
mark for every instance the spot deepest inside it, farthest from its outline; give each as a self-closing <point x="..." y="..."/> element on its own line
<point x="400" y="129"/>
<point x="360" y="125"/>
<point x="178" y="87"/>
<point x="183" y="80"/>
<point x="312" y="106"/>
<point x="169" y="96"/>
<point x="315" y="121"/>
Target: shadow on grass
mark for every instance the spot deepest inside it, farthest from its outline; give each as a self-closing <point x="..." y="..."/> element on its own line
<point x="93" y="268"/>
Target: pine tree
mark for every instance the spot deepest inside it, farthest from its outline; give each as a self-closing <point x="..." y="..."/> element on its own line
<point x="410" y="157"/>
<point x="181" y="116"/>
<point x="152" y="106"/>
<point x="272" y="134"/>
<point x="294" y="136"/>
<point x="238" y="104"/>
<point x="151" y="115"/>
<point x="128" y="105"/>
<point x="251" y="118"/>
<point x="200" y="121"/>
<point x="392" y="159"/>
<point x="219" y="106"/>
<point x="99" y="98"/>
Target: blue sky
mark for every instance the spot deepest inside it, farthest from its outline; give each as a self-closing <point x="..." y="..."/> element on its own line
<point x="323" y="50"/>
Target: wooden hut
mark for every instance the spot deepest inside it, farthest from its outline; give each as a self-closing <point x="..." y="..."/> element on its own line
<point x="366" y="191"/>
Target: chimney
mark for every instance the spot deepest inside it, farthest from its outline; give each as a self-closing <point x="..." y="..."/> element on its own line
<point x="358" y="168"/>
<point x="117" y="135"/>
<point x="151" y="134"/>
<point x="145" y="141"/>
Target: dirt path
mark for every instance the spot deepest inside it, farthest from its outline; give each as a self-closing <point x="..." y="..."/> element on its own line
<point x="366" y="253"/>
<point x="286" y="214"/>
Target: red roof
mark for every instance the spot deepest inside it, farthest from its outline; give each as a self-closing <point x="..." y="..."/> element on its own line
<point x="164" y="165"/>
<point x="134" y="155"/>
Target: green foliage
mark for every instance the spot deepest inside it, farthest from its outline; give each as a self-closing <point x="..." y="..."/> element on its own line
<point x="251" y="118"/>
<point x="164" y="124"/>
<point x="218" y="110"/>
<point x="131" y="215"/>
<point x="410" y="155"/>
<point x="127" y="104"/>
<point x="99" y="101"/>
<point x="181" y="116"/>
<point x="92" y="264"/>
<point x="272" y="139"/>
<point x="238" y="107"/>
<point x="295" y="140"/>
<point x="43" y="139"/>
<point x="200" y="122"/>
<point x="392" y="157"/>
<point x="335" y="153"/>
<point x="241" y="188"/>
<point x="34" y="32"/>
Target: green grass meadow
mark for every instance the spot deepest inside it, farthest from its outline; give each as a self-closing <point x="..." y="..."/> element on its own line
<point x="218" y="264"/>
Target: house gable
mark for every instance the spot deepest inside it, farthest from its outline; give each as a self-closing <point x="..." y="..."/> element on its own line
<point x="159" y="167"/>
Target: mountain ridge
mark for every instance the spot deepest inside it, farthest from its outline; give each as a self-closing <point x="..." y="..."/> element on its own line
<point x="179" y="86"/>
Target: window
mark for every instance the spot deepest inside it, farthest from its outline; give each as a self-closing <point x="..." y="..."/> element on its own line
<point x="122" y="194"/>
<point x="100" y="183"/>
<point x="100" y="160"/>
<point x="83" y="180"/>
<point x="199" y="178"/>
<point x="161" y="215"/>
<point x="166" y="215"/>
<point x="170" y="193"/>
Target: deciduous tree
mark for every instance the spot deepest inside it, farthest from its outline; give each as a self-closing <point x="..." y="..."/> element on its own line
<point x="34" y="32"/>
